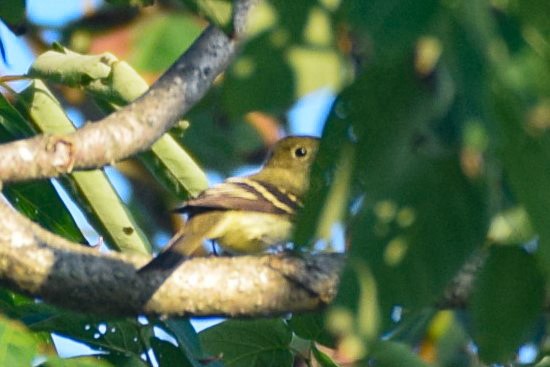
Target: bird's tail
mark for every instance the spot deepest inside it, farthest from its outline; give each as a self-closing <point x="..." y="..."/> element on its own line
<point x="165" y="260"/>
<point x="180" y="247"/>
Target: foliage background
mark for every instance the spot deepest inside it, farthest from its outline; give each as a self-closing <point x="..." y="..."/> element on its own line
<point x="435" y="150"/>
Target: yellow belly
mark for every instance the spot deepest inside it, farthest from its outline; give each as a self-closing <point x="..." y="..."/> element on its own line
<point x="246" y="232"/>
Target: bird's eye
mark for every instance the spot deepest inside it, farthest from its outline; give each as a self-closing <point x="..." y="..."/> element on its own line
<point x="300" y="152"/>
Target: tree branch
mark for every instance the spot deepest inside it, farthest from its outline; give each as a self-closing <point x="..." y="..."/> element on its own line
<point x="40" y="264"/>
<point x="136" y="127"/>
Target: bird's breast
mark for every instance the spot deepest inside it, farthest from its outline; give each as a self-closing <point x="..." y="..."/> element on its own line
<point x="250" y="232"/>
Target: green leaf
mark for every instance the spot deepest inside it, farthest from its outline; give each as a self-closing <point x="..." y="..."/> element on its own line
<point x="87" y="361"/>
<point x="168" y="354"/>
<point x="115" y="336"/>
<point x="12" y="124"/>
<point x="510" y="227"/>
<point x="301" y="40"/>
<point x="17" y="345"/>
<point x="220" y="144"/>
<point x="532" y="13"/>
<point x="391" y="25"/>
<point x="507" y="300"/>
<point x="391" y="354"/>
<point x="293" y="16"/>
<point x="525" y="156"/>
<point x="217" y="12"/>
<point x="39" y="201"/>
<point x="434" y="213"/>
<point x="122" y="360"/>
<point x="249" y="343"/>
<point x="463" y="57"/>
<point x="255" y="82"/>
<point x="311" y="326"/>
<point x="185" y="334"/>
<point x="12" y="12"/>
<point x="414" y="204"/>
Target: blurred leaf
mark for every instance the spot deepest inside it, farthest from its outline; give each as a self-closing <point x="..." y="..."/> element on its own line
<point x="418" y="205"/>
<point x="249" y="343"/>
<point x="303" y="36"/>
<point x="520" y="104"/>
<point x="322" y="358"/>
<point x="385" y="109"/>
<point x="391" y="25"/>
<point x="132" y="2"/>
<point x="511" y="226"/>
<point x="260" y="79"/>
<point x="316" y="68"/>
<point x="525" y="158"/>
<point x="532" y="14"/>
<point x="18" y="347"/>
<point x="507" y="300"/>
<point x="16" y="306"/>
<point x="162" y="39"/>
<point x="217" y="12"/>
<point x="292" y="16"/>
<point x="442" y="340"/>
<point x="464" y="59"/>
<point x="440" y="217"/>
<point x="209" y="134"/>
<point x="391" y="354"/>
<point x="12" y="12"/>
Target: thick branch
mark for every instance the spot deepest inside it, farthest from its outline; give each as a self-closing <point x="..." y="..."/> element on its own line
<point x="136" y="127"/>
<point x="41" y="264"/>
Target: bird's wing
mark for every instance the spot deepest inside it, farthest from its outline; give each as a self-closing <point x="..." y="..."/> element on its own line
<point x="243" y="194"/>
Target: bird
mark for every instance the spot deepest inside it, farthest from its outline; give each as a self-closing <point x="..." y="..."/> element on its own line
<point x="246" y="215"/>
